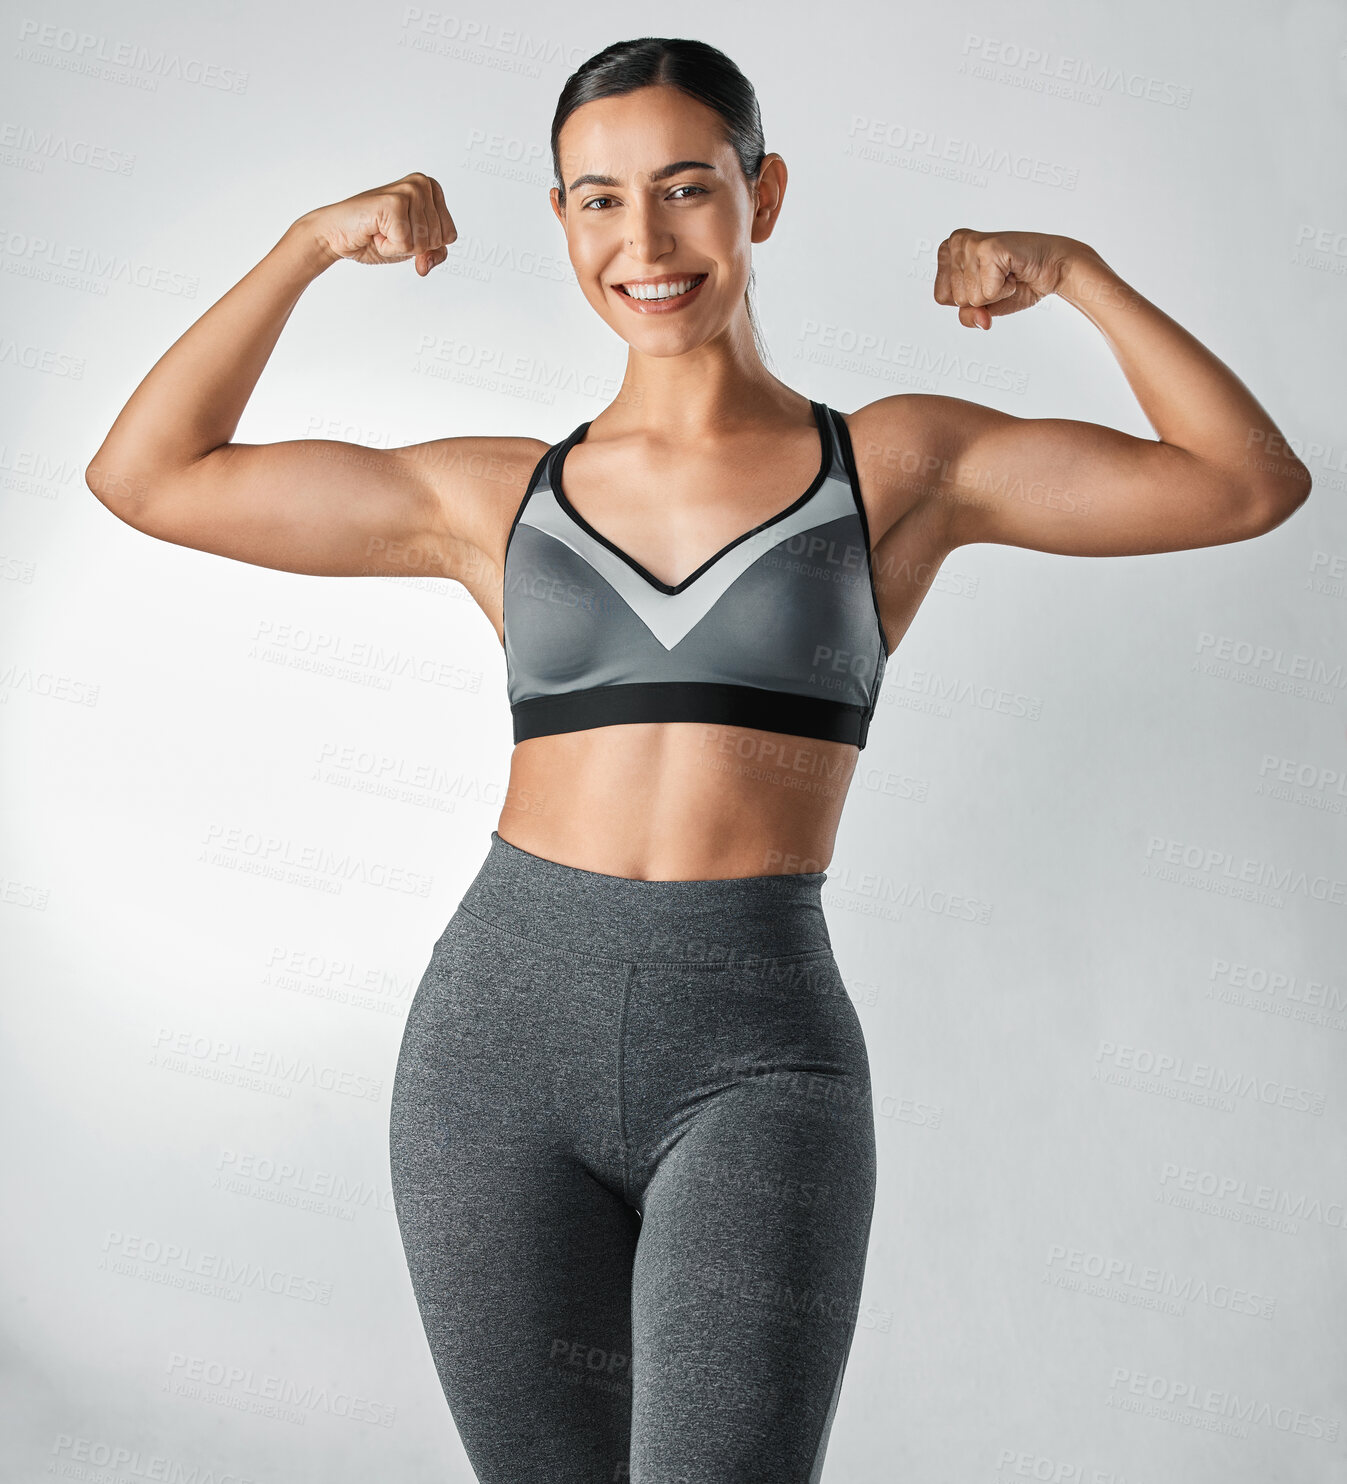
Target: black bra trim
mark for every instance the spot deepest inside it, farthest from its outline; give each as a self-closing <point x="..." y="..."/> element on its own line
<point x="532" y="485"/>
<point x="692" y="700"/>
<point x="849" y="459"/>
<point x="565" y="446"/>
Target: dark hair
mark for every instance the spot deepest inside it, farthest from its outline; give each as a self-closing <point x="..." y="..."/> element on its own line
<point x="701" y="71"/>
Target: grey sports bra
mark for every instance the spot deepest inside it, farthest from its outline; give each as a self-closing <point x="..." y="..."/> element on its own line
<point x="779" y="630"/>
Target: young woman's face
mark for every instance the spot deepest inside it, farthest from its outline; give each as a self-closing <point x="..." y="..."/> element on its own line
<point x="693" y="225"/>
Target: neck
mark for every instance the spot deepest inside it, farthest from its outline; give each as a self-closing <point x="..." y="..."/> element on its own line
<point x="713" y="388"/>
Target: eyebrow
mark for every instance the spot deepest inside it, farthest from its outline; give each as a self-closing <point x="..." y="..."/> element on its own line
<point x="655" y="175"/>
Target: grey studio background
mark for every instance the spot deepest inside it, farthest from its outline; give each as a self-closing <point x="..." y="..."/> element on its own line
<point x="1090" y="887"/>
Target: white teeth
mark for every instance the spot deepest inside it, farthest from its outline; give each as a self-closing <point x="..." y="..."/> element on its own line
<point x="661" y="290"/>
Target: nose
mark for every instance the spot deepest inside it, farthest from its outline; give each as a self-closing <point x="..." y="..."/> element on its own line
<point x="648" y="234"/>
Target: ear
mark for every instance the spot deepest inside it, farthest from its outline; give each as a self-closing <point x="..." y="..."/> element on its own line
<point x="554" y="196"/>
<point x="769" y="191"/>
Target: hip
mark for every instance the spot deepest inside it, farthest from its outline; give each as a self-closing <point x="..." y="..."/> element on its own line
<point x="544" y="964"/>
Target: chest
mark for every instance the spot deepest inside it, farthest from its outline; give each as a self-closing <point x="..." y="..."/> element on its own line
<point x="676" y="513"/>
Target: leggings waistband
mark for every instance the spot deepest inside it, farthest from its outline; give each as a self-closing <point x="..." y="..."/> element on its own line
<point x="715" y="920"/>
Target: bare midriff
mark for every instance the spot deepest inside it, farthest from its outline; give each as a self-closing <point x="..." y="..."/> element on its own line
<point x="678" y="801"/>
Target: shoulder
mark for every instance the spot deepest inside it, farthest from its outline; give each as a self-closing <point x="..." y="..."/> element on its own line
<point x="476" y="483"/>
<point x="903" y="446"/>
<point x="458" y="463"/>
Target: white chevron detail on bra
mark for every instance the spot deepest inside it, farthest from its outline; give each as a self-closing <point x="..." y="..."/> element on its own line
<point x="670" y="617"/>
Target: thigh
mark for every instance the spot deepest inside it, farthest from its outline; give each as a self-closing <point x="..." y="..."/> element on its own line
<point x="520" y="1255"/>
<point x="750" y="1263"/>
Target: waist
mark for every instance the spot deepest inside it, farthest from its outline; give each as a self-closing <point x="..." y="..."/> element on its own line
<point x="678" y="800"/>
<point x="714" y="920"/>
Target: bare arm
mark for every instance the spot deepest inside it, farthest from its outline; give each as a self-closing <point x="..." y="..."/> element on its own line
<point x="1219" y="469"/>
<point x="168" y="466"/>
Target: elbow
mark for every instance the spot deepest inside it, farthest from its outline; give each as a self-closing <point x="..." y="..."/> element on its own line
<point x="1267" y="506"/>
<point x="117" y="485"/>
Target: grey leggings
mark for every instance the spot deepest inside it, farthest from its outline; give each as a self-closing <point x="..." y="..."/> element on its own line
<point x="633" y="1162"/>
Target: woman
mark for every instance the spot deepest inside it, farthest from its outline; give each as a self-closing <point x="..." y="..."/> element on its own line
<point x="632" y="1143"/>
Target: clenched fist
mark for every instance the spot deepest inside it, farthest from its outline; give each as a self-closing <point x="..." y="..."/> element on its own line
<point x="407" y="218"/>
<point x="992" y="273"/>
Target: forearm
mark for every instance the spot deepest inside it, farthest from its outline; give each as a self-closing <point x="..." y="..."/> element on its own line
<point x="194" y="395"/>
<point x="1190" y="397"/>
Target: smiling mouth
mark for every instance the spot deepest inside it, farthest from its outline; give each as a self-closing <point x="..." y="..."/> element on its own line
<point x="661" y="293"/>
